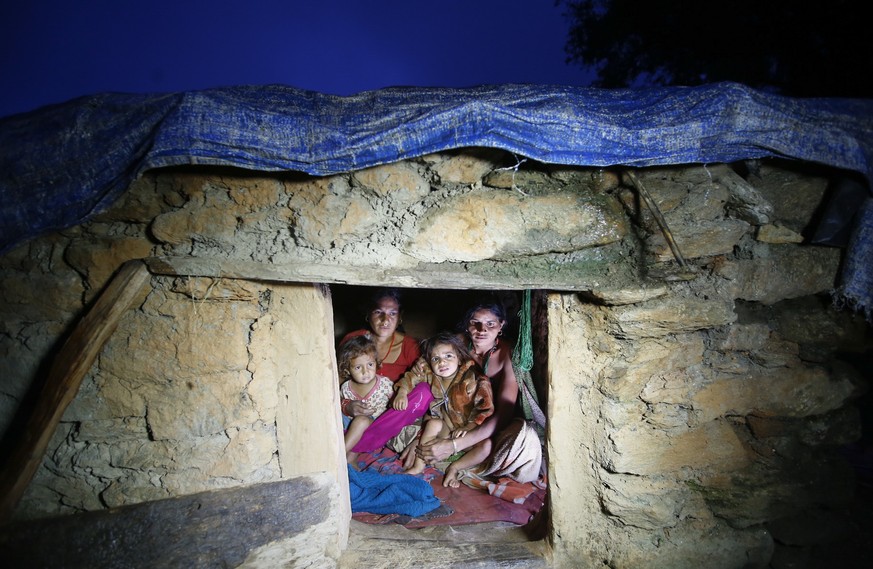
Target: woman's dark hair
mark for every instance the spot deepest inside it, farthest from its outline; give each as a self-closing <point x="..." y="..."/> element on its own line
<point x="380" y="293"/>
<point x="495" y="308"/>
<point x="453" y="340"/>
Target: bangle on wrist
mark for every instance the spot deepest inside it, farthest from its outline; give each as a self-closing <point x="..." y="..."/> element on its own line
<point x="454" y="447"/>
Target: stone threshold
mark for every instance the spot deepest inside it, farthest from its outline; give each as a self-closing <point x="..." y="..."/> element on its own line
<point x="392" y="546"/>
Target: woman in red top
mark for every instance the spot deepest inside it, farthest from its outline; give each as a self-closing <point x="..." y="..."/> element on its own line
<point x="395" y="351"/>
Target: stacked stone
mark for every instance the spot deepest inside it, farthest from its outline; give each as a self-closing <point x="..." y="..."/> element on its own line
<point x="696" y="404"/>
<point x="715" y="400"/>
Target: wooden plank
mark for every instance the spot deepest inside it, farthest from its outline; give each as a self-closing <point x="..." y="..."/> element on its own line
<point x="216" y="528"/>
<point x="64" y="378"/>
<point x="608" y="272"/>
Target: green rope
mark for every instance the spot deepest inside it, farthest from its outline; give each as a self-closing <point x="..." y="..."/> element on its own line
<point x="522" y="362"/>
<point x="522" y="356"/>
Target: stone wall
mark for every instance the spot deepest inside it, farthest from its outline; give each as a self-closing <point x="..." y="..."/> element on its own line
<point x="683" y="437"/>
<point x="709" y="410"/>
<point x="684" y="399"/>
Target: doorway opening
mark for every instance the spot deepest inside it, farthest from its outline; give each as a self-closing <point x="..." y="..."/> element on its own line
<point x="427" y="312"/>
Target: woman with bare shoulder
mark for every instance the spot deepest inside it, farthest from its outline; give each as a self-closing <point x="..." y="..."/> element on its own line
<point x="503" y="445"/>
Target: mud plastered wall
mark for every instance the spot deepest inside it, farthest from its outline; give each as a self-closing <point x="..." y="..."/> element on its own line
<point x="682" y="400"/>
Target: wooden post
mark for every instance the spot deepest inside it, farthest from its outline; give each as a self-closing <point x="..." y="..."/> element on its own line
<point x="62" y="383"/>
<point x="271" y="524"/>
<point x="659" y="218"/>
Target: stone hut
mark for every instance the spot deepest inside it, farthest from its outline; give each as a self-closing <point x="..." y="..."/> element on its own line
<point x="700" y="378"/>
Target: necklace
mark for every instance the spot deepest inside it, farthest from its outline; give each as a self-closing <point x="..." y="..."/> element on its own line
<point x="390" y="347"/>
<point x="486" y="355"/>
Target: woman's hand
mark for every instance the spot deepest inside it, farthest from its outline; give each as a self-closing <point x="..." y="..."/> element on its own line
<point x="420" y="366"/>
<point x="458" y="433"/>
<point x="435" y="450"/>
<point x="355" y="408"/>
<point x="400" y="401"/>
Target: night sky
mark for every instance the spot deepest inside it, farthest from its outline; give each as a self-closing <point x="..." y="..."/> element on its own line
<point x="53" y="51"/>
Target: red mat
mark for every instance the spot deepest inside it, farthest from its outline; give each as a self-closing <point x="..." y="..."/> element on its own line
<point x="459" y="506"/>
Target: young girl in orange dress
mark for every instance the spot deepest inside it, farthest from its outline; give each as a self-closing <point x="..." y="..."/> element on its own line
<point x="462" y="393"/>
<point x="503" y="445"/>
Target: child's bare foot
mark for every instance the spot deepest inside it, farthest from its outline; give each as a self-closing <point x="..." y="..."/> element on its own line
<point x="452" y="479"/>
<point x="352" y="459"/>
<point x="417" y="467"/>
<point x="408" y="456"/>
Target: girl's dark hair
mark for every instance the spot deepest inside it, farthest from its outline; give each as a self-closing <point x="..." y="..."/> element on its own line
<point x="455" y="341"/>
<point x="495" y="307"/>
<point x="352" y="348"/>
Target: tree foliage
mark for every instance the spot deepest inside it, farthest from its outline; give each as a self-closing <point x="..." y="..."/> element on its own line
<point x="797" y="48"/>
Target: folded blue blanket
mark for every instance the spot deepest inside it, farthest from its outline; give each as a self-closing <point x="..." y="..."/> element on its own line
<point x="390" y="493"/>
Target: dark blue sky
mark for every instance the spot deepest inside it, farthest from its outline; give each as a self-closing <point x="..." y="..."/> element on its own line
<point x="52" y="51"/>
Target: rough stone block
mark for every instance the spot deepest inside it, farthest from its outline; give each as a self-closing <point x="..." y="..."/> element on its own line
<point x="794" y="194"/>
<point x="692" y="544"/>
<point x="400" y="182"/>
<point x="643" y="450"/>
<point x="777" y="234"/>
<point x="192" y="222"/>
<point x="777" y="488"/>
<point x="503" y="224"/>
<point x="112" y="430"/>
<point x="662" y="361"/>
<point x="802" y="271"/>
<point x="468" y="167"/>
<point x="98" y="260"/>
<point x="787" y="392"/>
<point x="210" y="529"/>
<point x="253" y="194"/>
<point x="647" y="503"/>
<point x="700" y="239"/>
<point x="670" y="315"/>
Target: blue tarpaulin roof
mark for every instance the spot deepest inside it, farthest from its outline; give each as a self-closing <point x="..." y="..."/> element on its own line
<point x="61" y="164"/>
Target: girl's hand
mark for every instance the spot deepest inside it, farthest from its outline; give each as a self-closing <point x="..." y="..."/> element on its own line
<point x="458" y="433"/>
<point x="400" y="402"/>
